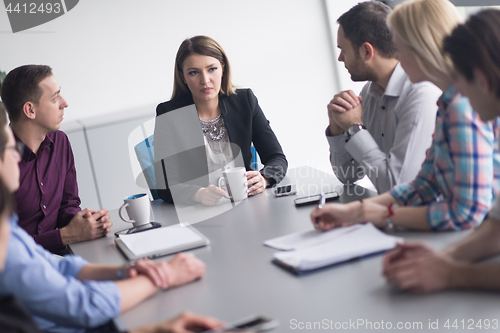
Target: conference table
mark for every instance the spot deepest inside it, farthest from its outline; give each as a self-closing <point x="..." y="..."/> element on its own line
<point x="241" y="280"/>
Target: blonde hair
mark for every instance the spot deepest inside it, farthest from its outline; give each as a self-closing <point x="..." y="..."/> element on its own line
<point x="207" y="46"/>
<point x="422" y="25"/>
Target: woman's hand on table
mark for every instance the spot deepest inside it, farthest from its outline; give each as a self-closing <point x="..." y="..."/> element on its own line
<point x="336" y="215"/>
<point x="210" y="195"/>
<point x="333" y="216"/>
<point x="256" y="181"/>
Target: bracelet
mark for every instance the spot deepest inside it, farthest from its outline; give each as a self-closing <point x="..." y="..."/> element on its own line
<point x="119" y="272"/>
<point x="390" y="208"/>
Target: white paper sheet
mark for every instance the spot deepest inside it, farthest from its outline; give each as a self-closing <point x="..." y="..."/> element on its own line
<point x="359" y="242"/>
<point x="305" y="239"/>
<point x="157" y="240"/>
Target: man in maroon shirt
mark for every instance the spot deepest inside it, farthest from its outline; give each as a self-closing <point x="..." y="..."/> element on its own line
<point x="48" y="204"/>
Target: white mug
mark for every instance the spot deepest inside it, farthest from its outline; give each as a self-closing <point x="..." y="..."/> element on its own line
<point x="234" y="180"/>
<point x="138" y="208"/>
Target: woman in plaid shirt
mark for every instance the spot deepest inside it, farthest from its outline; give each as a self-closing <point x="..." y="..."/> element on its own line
<point x="474" y="48"/>
<point x="460" y="175"/>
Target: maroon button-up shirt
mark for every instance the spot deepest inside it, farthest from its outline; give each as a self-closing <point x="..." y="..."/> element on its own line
<point x="47" y="198"/>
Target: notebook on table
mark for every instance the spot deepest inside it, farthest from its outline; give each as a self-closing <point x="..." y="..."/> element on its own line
<point x="311" y="250"/>
<point x="160" y="242"/>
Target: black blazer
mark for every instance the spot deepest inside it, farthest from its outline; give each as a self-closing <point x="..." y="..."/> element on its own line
<point x="187" y="168"/>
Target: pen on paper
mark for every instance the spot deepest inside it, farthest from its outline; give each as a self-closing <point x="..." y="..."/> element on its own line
<point x="322" y="200"/>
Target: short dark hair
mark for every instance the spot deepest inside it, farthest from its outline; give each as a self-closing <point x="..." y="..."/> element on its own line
<point x="3" y="133"/>
<point x="476" y="44"/>
<point x="21" y="85"/>
<point x="366" y="23"/>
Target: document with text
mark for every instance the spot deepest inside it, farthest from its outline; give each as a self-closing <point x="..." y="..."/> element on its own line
<point x="315" y="249"/>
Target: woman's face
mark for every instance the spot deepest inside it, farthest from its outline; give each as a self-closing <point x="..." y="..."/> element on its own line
<point x="408" y="62"/>
<point x="483" y="101"/>
<point x="203" y="76"/>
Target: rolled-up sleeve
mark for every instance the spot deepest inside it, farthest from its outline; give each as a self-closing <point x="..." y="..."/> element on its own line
<point x="471" y="144"/>
<point x="424" y="188"/>
<point x="416" y="115"/>
<point x="465" y="166"/>
<point x="345" y="167"/>
<point x="47" y="287"/>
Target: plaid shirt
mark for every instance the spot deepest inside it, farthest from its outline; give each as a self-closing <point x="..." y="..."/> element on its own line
<point x="460" y="175"/>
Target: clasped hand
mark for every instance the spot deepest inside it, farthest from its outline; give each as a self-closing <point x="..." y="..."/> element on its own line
<point x="343" y="111"/>
<point x="182" y="269"/>
<point x="86" y="225"/>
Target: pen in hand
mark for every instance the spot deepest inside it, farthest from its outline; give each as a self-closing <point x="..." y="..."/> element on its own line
<point x="322" y="200"/>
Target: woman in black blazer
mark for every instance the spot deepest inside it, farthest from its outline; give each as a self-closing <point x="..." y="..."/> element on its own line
<point x="209" y="125"/>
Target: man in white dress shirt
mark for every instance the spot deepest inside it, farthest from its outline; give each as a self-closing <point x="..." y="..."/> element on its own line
<point x="385" y="132"/>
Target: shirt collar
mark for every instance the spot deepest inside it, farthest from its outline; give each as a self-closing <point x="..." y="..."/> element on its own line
<point x="447" y="97"/>
<point x="13" y="220"/>
<point x="28" y="153"/>
<point x="396" y="82"/>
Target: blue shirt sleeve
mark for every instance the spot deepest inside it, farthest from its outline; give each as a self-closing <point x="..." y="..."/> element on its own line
<point x="47" y="287"/>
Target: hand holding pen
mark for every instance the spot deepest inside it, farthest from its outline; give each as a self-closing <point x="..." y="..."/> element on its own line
<point x="322" y="201"/>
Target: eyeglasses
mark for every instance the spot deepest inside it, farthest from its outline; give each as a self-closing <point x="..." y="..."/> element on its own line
<point x="19" y="147"/>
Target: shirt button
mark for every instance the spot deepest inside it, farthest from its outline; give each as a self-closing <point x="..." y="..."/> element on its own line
<point x="382" y="134"/>
<point x="44" y="207"/>
<point x="41" y="183"/>
<point x="40" y="228"/>
<point x="383" y="107"/>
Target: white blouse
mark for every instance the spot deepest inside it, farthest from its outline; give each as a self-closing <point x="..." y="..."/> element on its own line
<point x="217" y="147"/>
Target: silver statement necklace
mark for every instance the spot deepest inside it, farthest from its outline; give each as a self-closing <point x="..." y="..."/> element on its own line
<point x="215" y="132"/>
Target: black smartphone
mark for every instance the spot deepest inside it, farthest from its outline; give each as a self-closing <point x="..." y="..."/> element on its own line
<point x="314" y="199"/>
<point x="249" y="324"/>
<point x="281" y="191"/>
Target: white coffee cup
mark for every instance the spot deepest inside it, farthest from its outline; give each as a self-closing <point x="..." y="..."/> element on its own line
<point x="138" y="209"/>
<point x="234" y="180"/>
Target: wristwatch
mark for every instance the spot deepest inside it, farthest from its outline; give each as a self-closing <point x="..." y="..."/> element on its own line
<point x="353" y="129"/>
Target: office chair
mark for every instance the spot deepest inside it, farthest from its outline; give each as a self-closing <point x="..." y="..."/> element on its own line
<point x="145" y="155"/>
<point x="141" y="152"/>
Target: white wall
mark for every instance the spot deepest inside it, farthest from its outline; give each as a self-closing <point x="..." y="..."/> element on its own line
<point x="115" y="55"/>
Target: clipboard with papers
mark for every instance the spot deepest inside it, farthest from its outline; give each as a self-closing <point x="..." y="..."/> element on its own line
<point x="160" y="242"/>
<point x="311" y="250"/>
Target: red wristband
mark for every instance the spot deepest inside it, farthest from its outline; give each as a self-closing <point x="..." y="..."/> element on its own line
<point x="390" y="209"/>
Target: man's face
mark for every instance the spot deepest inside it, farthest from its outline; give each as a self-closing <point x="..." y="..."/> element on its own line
<point x="9" y="167"/>
<point x="49" y="110"/>
<point x="352" y="60"/>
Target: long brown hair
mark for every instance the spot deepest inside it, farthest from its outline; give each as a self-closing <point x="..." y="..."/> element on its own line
<point x="202" y="45"/>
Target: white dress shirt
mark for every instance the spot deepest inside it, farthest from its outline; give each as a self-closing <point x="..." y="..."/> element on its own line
<point x="400" y="122"/>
